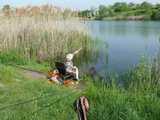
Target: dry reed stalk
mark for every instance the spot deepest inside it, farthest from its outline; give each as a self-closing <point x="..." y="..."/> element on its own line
<point x="39" y="38"/>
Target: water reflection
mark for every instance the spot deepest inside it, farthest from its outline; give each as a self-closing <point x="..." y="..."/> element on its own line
<point x="126" y="41"/>
<point x="95" y="60"/>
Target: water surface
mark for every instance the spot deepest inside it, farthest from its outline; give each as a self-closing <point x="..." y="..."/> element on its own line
<point x="123" y="43"/>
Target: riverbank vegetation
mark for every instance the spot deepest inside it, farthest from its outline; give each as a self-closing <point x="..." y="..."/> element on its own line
<point x="35" y="42"/>
<point x="44" y="39"/>
<point x="138" y="99"/>
<point x="28" y="97"/>
<point x="123" y="11"/>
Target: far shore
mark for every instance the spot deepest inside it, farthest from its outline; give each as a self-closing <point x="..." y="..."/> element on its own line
<point x="118" y="18"/>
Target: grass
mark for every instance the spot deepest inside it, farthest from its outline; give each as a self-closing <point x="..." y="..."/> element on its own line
<point x="52" y="102"/>
<point x="138" y="100"/>
<point x="116" y="104"/>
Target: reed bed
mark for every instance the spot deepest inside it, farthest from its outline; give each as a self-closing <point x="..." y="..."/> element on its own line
<point x="41" y="38"/>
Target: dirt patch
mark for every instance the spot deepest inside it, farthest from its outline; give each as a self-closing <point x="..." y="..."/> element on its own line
<point x="40" y="76"/>
<point x="34" y="75"/>
<point x="31" y="74"/>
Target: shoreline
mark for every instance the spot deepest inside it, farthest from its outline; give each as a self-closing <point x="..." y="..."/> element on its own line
<point x="116" y="19"/>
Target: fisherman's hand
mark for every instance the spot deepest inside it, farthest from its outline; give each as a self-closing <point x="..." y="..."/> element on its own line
<point x="77" y="51"/>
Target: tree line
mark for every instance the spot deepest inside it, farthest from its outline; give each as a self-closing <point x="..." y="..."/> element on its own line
<point x="122" y="10"/>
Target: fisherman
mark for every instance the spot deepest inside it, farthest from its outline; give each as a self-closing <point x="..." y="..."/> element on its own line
<point x="70" y="68"/>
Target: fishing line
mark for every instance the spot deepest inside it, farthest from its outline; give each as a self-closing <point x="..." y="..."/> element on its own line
<point x="27" y="69"/>
<point x="49" y="105"/>
<point x="26" y="101"/>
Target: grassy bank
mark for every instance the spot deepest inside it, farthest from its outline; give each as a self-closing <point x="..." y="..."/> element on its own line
<point x="137" y="99"/>
<point x="25" y="97"/>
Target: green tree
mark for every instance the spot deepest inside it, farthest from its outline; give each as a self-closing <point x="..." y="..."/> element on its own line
<point x="156" y="15"/>
<point x="146" y="5"/>
<point x="132" y="6"/>
<point x="85" y="13"/>
<point x="157" y="6"/>
<point x="145" y="10"/>
<point x="120" y="7"/>
<point x="93" y="12"/>
<point x="103" y="11"/>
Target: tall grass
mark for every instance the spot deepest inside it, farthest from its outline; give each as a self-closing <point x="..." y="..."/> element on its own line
<point x="144" y="77"/>
<point x="113" y="103"/>
<point x="41" y="39"/>
<point x="139" y="99"/>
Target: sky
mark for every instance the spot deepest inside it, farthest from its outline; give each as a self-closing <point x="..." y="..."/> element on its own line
<point x="73" y="4"/>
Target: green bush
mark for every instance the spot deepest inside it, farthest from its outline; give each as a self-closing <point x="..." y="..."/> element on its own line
<point x="156" y="15"/>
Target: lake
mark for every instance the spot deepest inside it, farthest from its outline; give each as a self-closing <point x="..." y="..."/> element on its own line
<point x="124" y="43"/>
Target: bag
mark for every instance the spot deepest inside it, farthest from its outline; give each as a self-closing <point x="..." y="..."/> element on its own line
<point x="81" y="106"/>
